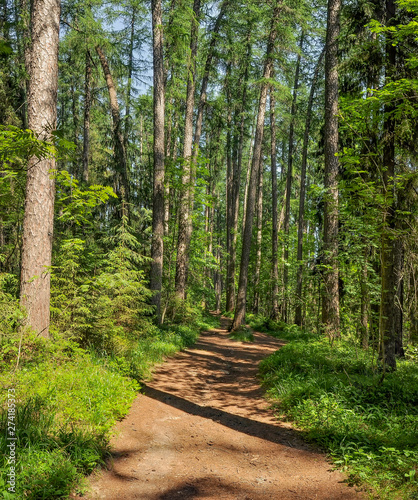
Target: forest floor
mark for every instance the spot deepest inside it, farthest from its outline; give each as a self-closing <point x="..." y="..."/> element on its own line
<point x="202" y="430"/>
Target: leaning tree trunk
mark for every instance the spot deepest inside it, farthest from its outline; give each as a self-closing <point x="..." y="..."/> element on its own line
<point x="40" y="187"/>
<point x="128" y="120"/>
<point x="330" y="295"/>
<point x="239" y="316"/>
<point x="205" y="79"/>
<point x="158" y="212"/>
<point x="301" y="219"/>
<point x="120" y="151"/>
<point x="187" y="190"/>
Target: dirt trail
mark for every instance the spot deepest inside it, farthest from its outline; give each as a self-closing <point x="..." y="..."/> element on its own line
<point x="202" y="430"/>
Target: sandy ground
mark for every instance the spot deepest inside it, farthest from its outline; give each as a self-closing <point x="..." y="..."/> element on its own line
<point x="202" y="430"/>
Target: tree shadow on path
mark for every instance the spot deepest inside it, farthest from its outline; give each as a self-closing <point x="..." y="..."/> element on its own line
<point x="269" y="432"/>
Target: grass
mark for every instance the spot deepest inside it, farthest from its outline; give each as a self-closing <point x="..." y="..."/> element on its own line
<point x="368" y="426"/>
<point x="66" y="402"/>
<point x="242" y="334"/>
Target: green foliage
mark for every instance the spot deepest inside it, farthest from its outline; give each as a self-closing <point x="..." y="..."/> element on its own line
<point x="242" y="334"/>
<point x="77" y="206"/>
<point x="66" y="404"/>
<point x="10" y="314"/>
<point x="368" y="425"/>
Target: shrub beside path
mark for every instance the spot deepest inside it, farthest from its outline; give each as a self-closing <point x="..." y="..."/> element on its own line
<point x="203" y="430"/>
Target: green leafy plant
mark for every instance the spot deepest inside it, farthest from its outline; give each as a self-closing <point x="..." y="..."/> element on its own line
<point x="337" y="396"/>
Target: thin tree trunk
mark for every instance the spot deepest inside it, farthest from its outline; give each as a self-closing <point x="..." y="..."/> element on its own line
<point x="289" y="185"/>
<point x="40" y="187"/>
<point x="130" y="73"/>
<point x="187" y="192"/>
<point x="236" y="179"/>
<point x="205" y="80"/>
<point x="301" y="219"/>
<point x="217" y="278"/>
<point x="399" y="296"/>
<point x="239" y="316"/>
<point x="330" y="298"/>
<point x="247" y="181"/>
<point x="157" y="246"/>
<point x="364" y="304"/>
<point x="87" y="107"/>
<point x="230" y="267"/>
<point x="256" y="303"/>
<point x="274" y="235"/>
<point x="120" y="151"/>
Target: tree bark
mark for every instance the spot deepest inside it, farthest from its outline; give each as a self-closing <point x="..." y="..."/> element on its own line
<point x="274" y="235"/>
<point x="230" y="264"/>
<point x="387" y="330"/>
<point x="120" y="151"/>
<point x="187" y="192"/>
<point x="205" y="80"/>
<point x="40" y="186"/>
<point x="130" y="73"/>
<point x="158" y="212"/>
<point x="301" y="218"/>
<point x="256" y="304"/>
<point x="289" y="185"/>
<point x="247" y="181"/>
<point x="87" y="107"/>
<point x="330" y="296"/>
<point x="364" y="302"/>
<point x="239" y="316"/>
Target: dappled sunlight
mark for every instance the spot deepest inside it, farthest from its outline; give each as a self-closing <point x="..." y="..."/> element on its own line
<point x="202" y="430"/>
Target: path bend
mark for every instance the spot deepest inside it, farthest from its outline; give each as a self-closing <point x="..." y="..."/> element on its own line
<point x="202" y="430"/>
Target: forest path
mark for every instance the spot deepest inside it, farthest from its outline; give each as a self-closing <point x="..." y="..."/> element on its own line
<point x="202" y="430"/>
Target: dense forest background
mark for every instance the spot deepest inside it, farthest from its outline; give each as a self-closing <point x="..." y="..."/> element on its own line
<point x="162" y="160"/>
<point x="310" y="235"/>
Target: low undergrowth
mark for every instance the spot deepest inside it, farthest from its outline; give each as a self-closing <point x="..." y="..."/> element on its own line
<point x="63" y="402"/>
<point x="242" y="334"/>
<point x="336" y="394"/>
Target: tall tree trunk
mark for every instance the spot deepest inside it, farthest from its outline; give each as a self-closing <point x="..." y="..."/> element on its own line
<point x="289" y="184"/>
<point x="239" y="316"/>
<point x="22" y="17"/>
<point x="120" y="151"/>
<point x="40" y="187"/>
<point x="364" y="303"/>
<point x="217" y="275"/>
<point x="205" y="80"/>
<point x="399" y="296"/>
<point x="236" y="182"/>
<point x="274" y="235"/>
<point x="87" y="107"/>
<point x="301" y="219"/>
<point x="130" y="73"/>
<point x="387" y="331"/>
<point x="256" y="304"/>
<point x="330" y="298"/>
<point x="247" y="182"/>
<point x="230" y="267"/>
<point x="157" y="247"/>
<point x="187" y="192"/>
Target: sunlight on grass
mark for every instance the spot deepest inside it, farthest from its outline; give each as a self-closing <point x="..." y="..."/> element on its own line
<point x="369" y="426"/>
